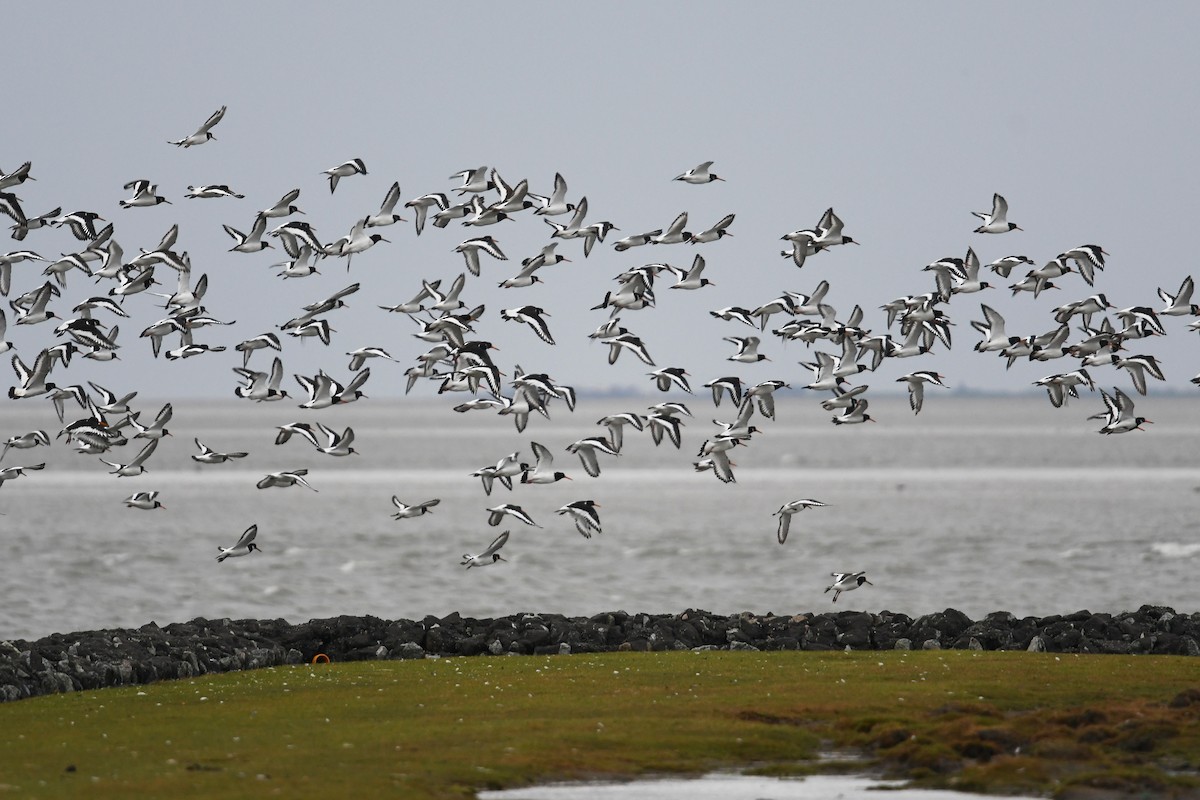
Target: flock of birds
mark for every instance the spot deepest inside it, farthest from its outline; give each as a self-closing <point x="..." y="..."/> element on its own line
<point x="460" y="364"/>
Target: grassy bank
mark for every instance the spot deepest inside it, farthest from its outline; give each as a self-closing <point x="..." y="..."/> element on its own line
<point x="445" y="727"/>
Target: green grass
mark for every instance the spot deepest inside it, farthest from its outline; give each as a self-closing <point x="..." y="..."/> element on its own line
<point x="443" y="728"/>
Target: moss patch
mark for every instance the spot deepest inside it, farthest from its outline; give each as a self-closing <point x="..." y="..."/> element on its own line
<point x="444" y="728"/>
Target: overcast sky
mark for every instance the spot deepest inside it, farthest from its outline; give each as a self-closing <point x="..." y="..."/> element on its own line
<point x="903" y="117"/>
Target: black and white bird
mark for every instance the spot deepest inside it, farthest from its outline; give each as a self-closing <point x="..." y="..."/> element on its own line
<point x="675" y="233"/>
<point x="731" y="384"/>
<point x="32" y="381"/>
<point x="788" y="510"/>
<point x="1180" y="304"/>
<point x="1088" y="258"/>
<point x="244" y="547"/>
<point x="354" y="166"/>
<point x="404" y="511"/>
<point x="262" y="341"/>
<point x="327" y="440"/>
<point x="916" y="386"/>
<point x="616" y="425"/>
<point x="359" y="357"/>
<point x="489" y="556"/>
<point x="212" y="191"/>
<point x="846" y="582"/>
<point x="764" y="394"/>
<point x="627" y="341"/>
<point x="16" y="177"/>
<point x="147" y="501"/>
<point x="285" y="207"/>
<point x="156" y="429"/>
<point x="249" y="242"/>
<point x="997" y="220"/>
<point x="474" y="181"/>
<point x="701" y="173"/>
<point x="35" y="311"/>
<point x="357" y="241"/>
<point x="667" y="377"/>
<point x="497" y="514"/>
<point x="585" y="516"/>
<point x="715" y="454"/>
<point x="284" y="479"/>
<point x="747" y="352"/>
<point x="261" y="386"/>
<point x="134" y="467"/>
<point x="11" y="473"/>
<point x="25" y="441"/>
<point x="992" y="329"/>
<point x="145" y="194"/>
<point x="387" y="215"/>
<point x="635" y="240"/>
<point x="856" y="413"/>
<point x="556" y="203"/>
<point x="717" y="231"/>
<point x="81" y="223"/>
<point x="692" y="278"/>
<point x="531" y="316"/>
<point x="1060" y="387"/>
<point x="662" y="423"/>
<point x="209" y="456"/>
<point x="734" y="313"/>
<point x="472" y="247"/>
<point x="204" y="132"/>
<point x="543" y="470"/>
<point x="587" y="449"/>
<point x="1138" y="367"/>
<point x="1118" y="414"/>
<point x="318" y="328"/>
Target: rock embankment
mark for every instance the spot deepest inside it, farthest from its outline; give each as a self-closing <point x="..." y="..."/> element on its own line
<point x="96" y="659"/>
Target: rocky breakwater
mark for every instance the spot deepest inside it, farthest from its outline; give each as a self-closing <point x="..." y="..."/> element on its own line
<point x="96" y="659"/>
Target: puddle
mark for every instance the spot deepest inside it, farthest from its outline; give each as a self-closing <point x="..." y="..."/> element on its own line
<point x="727" y="786"/>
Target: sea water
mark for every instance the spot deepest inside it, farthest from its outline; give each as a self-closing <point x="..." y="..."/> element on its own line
<point x="980" y="504"/>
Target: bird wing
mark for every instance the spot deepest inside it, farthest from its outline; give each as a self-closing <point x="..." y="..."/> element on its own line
<point x="545" y="461"/>
<point x="721" y="466"/>
<point x="999" y="208"/>
<point x="916" y="395"/>
<point x="247" y="536"/>
<point x="147" y="451"/>
<point x="216" y="117"/>
<point x="164" y="415"/>
<point x="785" y="522"/>
<point x="495" y="546"/>
<point x="677" y="226"/>
<point x="587" y="455"/>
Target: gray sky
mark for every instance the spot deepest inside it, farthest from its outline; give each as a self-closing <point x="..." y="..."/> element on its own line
<point x="903" y="117"/>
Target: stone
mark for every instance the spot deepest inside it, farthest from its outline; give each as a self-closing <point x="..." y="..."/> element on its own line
<point x="409" y="650"/>
<point x="97" y="659"/>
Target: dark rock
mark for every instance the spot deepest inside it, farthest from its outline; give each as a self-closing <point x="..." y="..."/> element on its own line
<point x="96" y="659"/>
<point x="890" y="628"/>
<point x="854" y="630"/>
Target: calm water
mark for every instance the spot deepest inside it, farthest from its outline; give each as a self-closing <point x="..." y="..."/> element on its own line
<point x="723" y="786"/>
<point x="977" y="504"/>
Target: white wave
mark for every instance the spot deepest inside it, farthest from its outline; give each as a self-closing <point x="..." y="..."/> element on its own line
<point x="1176" y="549"/>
